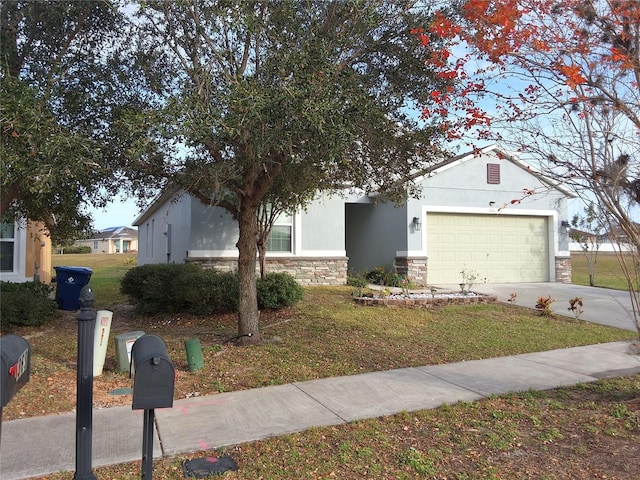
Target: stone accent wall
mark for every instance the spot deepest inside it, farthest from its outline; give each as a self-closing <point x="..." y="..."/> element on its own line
<point x="426" y="302"/>
<point x="306" y="270"/>
<point x="413" y="267"/>
<point x="563" y="269"/>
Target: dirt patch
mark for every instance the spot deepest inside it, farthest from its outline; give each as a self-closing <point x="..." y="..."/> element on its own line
<point x="54" y="359"/>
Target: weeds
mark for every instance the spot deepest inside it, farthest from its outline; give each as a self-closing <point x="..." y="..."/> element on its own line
<point x="419" y="462"/>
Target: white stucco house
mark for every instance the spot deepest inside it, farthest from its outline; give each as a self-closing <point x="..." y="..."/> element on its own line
<point x="475" y="212"/>
<point x="111" y="240"/>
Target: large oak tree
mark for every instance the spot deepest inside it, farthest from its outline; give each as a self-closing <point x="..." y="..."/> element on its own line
<point x="264" y="103"/>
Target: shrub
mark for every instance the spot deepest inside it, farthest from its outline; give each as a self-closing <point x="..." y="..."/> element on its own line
<point x="211" y="291"/>
<point x="27" y="303"/>
<point x="159" y="287"/>
<point x="278" y="290"/>
<point x="359" y="281"/>
<point x="75" y="249"/>
<point x="172" y="288"/>
<point x="544" y="305"/>
<point x="383" y="275"/>
<point x="224" y="294"/>
<point x="378" y="275"/>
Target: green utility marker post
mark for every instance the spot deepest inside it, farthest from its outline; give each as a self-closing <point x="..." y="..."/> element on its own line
<point x="194" y="354"/>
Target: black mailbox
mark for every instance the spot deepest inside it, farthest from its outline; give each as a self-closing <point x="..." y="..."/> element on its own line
<point x="15" y="365"/>
<point x="153" y="374"/>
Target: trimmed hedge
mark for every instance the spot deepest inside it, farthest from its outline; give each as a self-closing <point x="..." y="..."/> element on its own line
<point x="76" y="249"/>
<point x="27" y="303"/>
<point x="172" y="288"/>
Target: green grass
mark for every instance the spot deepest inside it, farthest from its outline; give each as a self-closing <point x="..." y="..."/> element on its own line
<point x="609" y="274"/>
<point x="108" y="270"/>
<point x="556" y="434"/>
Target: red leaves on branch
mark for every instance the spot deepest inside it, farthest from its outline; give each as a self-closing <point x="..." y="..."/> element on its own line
<point x="573" y="45"/>
<point x="572" y="74"/>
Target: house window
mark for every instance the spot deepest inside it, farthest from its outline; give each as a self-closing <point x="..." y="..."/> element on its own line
<point x="280" y="239"/>
<point x="7" y="246"/>
<point x="493" y="173"/>
<point x="95" y="245"/>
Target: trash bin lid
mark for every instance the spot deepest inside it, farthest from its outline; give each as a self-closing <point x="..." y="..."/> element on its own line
<point x="64" y="268"/>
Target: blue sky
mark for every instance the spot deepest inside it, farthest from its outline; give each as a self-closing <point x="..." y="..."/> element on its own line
<point x="120" y="213"/>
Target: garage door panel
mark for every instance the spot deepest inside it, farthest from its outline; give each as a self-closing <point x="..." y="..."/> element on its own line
<point x="502" y="248"/>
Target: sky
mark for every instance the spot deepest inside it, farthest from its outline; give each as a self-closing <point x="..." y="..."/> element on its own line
<point x="120" y="213"/>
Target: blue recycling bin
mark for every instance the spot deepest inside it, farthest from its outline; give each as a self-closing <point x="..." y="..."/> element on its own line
<point x="69" y="282"/>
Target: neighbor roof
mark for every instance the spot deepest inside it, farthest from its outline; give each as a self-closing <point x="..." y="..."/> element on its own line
<point x="115" y="232"/>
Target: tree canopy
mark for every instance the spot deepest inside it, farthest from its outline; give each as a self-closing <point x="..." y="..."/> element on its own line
<point x="59" y="90"/>
<point x="272" y="101"/>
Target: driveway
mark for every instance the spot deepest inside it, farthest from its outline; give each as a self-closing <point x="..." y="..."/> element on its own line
<point x="601" y="305"/>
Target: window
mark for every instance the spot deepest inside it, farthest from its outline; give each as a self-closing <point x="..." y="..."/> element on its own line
<point x="280" y="239"/>
<point x="493" y="173"/>
<point x="95" y="245"/>
<point x="7" y="246"/>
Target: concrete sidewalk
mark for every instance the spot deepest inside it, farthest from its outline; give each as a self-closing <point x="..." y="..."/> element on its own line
<point x="44" y="445"/>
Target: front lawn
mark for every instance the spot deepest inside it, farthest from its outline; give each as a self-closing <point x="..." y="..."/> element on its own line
<point x="587" y="431"/>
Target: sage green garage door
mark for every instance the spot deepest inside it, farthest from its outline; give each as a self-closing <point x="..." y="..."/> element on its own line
<point x="501" y="248"/>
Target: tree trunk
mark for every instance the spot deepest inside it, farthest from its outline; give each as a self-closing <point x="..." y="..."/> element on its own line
<point x="262" y="258"/>
<point x="248" y="314"/>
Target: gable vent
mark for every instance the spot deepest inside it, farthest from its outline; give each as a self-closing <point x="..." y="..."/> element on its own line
<point x="493" y="173"/>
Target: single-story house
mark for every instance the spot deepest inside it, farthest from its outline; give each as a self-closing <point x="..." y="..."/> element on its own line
<point x="477" y="211"/>
<point x="615" y="240"/>
<point x="25" y="252"/>
<point x="112" y="240"/>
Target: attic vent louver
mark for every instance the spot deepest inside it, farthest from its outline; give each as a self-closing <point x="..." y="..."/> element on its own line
<point x="493" y="173"/>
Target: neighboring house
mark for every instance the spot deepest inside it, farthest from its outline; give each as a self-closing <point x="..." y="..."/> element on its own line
<point x="474" y="213"/>
<point x="112" y="240"/>
<point x="25" y="252"/>
<point x="617" y="239"/>
<point x="579" y="241"/>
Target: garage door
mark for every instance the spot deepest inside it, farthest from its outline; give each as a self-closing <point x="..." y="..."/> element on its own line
<point x="502" y="248"/>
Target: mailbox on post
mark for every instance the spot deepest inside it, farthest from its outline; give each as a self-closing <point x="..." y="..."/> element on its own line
<point x="15" y="368"/>
<point x="16" y="365"/>
<point x="153" y="385"/>
<point x="153" y="374"/>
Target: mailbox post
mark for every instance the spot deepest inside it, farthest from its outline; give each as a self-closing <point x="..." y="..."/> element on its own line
<point x="15" y="368"/>
<point x="153" y="387"/>
<point x="84" y="394"/>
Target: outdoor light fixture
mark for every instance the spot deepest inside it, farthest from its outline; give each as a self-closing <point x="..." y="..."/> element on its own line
<point x="492" y="203"/>
<point x="566" y="225"/>
<point x="416" y="224"/>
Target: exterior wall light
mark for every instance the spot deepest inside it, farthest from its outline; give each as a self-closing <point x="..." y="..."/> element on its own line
<point x="416" y="224"/>
<point x="566" y="225"/>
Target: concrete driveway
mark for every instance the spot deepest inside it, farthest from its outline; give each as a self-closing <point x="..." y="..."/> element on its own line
<point x="601" y="305"/>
